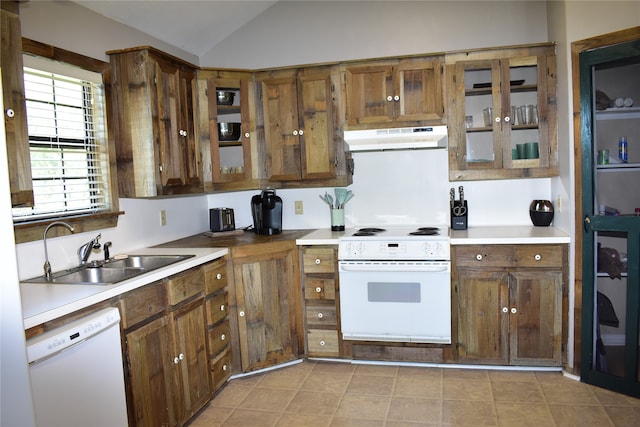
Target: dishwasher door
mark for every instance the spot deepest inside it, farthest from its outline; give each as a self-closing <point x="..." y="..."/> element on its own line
<point x="77" y="374"/>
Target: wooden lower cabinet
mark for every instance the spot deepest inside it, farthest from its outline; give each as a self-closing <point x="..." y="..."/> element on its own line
<point x="266" y="309"/>
<point x="166" y="350"/>
<point x="321" y="307"/>
<point x="509" y="304"/>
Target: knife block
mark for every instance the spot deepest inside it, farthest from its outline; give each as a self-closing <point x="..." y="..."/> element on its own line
<point x="459" y="222"/>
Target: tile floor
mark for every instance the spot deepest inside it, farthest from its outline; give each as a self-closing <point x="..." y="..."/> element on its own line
<point x="316" y="393"/>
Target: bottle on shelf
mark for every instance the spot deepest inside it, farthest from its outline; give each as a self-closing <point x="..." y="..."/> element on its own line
<point x="623" y="149"/>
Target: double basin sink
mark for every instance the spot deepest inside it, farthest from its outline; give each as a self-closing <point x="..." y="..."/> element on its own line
<point x="111" y="271"/>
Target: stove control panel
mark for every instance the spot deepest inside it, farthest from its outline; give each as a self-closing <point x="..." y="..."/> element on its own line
<point x="403" y="249"/>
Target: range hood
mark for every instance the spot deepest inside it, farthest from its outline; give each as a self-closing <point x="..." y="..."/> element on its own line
<point x="423" y="137"/>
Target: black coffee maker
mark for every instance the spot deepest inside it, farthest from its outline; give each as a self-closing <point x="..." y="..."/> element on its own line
<point x="267" y="212"/>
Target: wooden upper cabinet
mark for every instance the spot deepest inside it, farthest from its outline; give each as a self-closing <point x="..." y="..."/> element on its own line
<point x="403" y="92"/>
<point x="516" y="89"/>
<point x="15" y="110"/>
<point x="151" y="116"/>
<point x="302" y="130"/>
<point x="228" y="163"/>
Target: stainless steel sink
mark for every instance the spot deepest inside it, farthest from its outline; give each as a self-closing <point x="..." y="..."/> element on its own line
<point x="113" y="271"/>
<point x="146" y="262"/>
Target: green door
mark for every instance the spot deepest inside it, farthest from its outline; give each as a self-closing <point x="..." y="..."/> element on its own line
<point x="611" y="232"/>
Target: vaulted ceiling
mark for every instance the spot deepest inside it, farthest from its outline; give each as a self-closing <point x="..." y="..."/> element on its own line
<point x="193" y="26"/>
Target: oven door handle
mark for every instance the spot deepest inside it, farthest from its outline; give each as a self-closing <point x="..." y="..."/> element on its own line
<point x="395" y="267"/>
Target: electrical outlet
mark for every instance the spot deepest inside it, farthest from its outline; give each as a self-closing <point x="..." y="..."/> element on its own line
<point x="163" y="217"/>
<point x="298" y="207"/>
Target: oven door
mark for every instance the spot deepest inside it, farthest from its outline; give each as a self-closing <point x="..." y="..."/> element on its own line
<point x="401" y="301"/>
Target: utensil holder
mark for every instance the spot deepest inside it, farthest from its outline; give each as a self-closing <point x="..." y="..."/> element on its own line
<point x="459" y="216"/>
<point x="337" y="219"/>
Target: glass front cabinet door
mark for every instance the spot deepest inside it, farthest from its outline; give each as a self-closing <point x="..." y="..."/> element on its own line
<point x="502" y="113"/>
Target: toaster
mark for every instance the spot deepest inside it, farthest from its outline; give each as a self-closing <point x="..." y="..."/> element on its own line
<point x="221" y="219"/>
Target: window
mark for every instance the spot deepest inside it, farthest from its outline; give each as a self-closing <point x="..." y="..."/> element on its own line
<point x="67" y="141"/>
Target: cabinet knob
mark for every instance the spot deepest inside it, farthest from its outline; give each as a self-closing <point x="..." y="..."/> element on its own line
<point x="497" y="119"/>
<point x="479" y="257"/>
<point x="301" y="132"/>
<point x="10" y="113"/>
<point x="317" y="261"/>
<point x="223" y="337"/>
<point x="218" y="276"/>
<point x="318" y="289"/>
<point x="396" y="98"/>
<point x="537" y="257"/>
<point x="322" y="342"/>
<point x="513" y="310"/>
<point x="181" y="356"/>
<point x="183" y="132"/>
<point x="389" y="98"/>
<point x="224" y="367"/>
<point x="505" y="310"/>
<point x="320" y="315"/>
<point x="247" y="135"/>
<point x="241" y="314"/>
<point x="295" y="132"/>
<point x="176" y="360"/>
<point x="507" y="119"/>
<point x="222" y="308"/>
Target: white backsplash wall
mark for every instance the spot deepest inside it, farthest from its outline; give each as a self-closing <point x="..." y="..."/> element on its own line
<point x="139" y="227"/>
<point x="405" y="187"/>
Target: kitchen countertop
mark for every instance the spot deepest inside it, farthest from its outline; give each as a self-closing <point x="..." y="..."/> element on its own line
<point x="323" y="236"/>
<point x="496" y="235"/>
<point x="43" y="302"/>
<point x="206" y="240"/>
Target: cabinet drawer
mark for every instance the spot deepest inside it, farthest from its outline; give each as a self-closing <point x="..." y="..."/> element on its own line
<point x="142" y="303"/>
<point x="323" y="343"/>
<point x="485" y="256"/>
<point x="321" y="315"/>
<point x="319" y="260"/>
<point x="315" y="288"/>
<point x="185" y="285"/>
<point x="216" y="308"/>
<point x="539" y="255"/>
<point x="215" y="276"/>
<point x="219" y="338"/>
<point x="220" y="369"/>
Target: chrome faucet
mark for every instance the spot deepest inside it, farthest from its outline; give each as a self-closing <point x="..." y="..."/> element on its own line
<point x="47" y="264"/>
<point x="85" y="250"/>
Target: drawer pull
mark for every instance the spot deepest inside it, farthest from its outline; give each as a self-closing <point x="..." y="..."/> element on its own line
<point x="218" y="276"/>
<point x="538" y="257"/>
<point x="224" y="367"/>
<point x="241" y="314"/>
<point x="320" y="315"/>
<point x="181" y="356"/>
<point x="505" y="310"/>
<point x="317" y="261"/>
<point x="222" y="308"/>
<point x="223" y="337"/>
<point x="513" y="310"/>
<point x="322" y="342"/>
<point x="176" y="360"/>
<point x="479" y="257"/>
<point x="318" y="289"/>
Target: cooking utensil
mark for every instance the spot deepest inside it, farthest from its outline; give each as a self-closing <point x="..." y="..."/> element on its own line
<point x="225" y="97"/>
<point x="324" y="199"/>
<point x="349" y="197"/>
<point x="228" y="131"/>
<point x="461" y="192"/>
<point x="452" y="196"/>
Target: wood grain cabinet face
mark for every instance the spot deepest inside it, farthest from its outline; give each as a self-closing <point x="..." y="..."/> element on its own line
<point x="15" y="109"/>
<point x="267" y="299"/>
<point x="228" y="165"/>
<point x="151" y="117"/>
<point x="509" y="301"/>
<point x="321" y="306"/>
<point x="503" y="80"/>
<point x="166" y="349"/>
<point x="406" y="92"/>
<point x="302" y="129"/>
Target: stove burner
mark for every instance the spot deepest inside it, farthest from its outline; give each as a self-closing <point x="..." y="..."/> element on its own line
<point x="425" y="231"/>
<point x="371" y="231"/>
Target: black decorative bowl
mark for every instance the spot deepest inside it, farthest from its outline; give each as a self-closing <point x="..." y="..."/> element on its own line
<point x="541" y="213"/>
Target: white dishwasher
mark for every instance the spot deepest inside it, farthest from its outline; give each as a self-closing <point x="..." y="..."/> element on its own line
<point x="77" y="374"/>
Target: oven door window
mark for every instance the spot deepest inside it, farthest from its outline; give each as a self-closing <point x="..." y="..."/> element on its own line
<point x="393" y="292"/>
